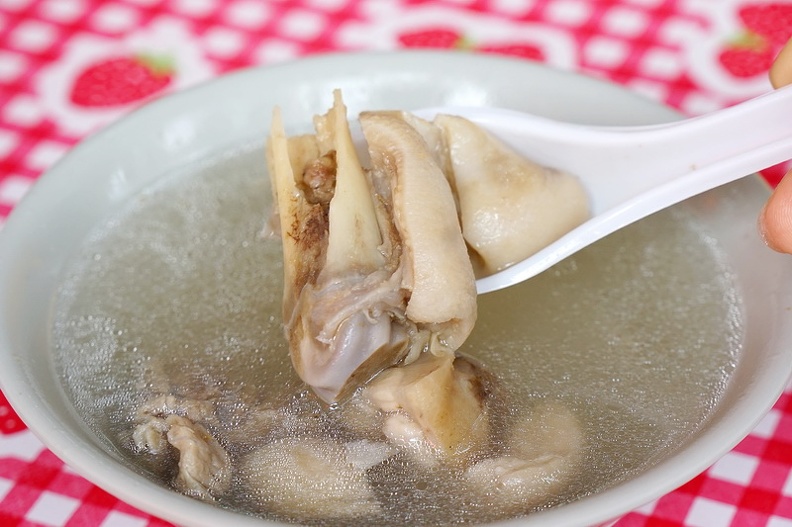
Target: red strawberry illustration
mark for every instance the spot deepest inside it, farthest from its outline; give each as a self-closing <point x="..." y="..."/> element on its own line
<point x="771" y="21"/>
<point x="746" y="61"/>
<point x="518" y="50"/>
<point x="774" y="174"/>
<point x="9" y="422"/>
<point x="121" y="80"/>
<point x="438" y="38"/>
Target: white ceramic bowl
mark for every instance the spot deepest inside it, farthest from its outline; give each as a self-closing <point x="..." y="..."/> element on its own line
<point x="105" y="170"/>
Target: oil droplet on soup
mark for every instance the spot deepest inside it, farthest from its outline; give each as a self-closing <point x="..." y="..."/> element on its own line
<point x="179" y="293"/>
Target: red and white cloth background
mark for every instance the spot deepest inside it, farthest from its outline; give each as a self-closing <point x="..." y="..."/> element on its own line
<point x="68" y="67"/>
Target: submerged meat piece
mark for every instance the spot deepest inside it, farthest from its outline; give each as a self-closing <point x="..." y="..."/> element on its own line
<point x="378" y="274"/>
<point x="509" y="206"/>
<point x="437" y="404"/>
<point x="542" y="453"/>
<point x="204" y="468"/>
<point x="313" y="478"/>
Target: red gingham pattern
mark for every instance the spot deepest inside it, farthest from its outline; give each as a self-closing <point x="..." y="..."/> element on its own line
<point x="669" y="50"/>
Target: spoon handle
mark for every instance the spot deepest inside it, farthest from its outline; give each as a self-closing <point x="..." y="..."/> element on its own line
<point x="681" y="159"/>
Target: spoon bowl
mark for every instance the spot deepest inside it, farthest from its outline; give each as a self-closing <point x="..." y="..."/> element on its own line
<point x="634" y="171"/>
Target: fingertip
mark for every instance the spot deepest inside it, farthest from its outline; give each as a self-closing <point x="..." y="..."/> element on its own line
<point x="781" y="71"/>
<point x="775" y="220"/>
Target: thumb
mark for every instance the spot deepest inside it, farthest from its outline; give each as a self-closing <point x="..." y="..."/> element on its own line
<point x="781" y="70"/>
<point x="775" y="221"/>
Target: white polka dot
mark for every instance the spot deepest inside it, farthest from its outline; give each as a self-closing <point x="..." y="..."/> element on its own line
<point x="45" y="154"/>
<point x="12" y="66"/>
<point x="13" y="189"/>
<point x="115" y="18"/>
<point x="302" y="25"/>
<point x="656" y="91"/>
<point x="605" y="52"/>
<point x="680" y="31"/>
<point x="276" y="51"/>
<point x="328" y="5"/>
<point x="700" y="103"/>
<point x="119" y="519"/>
<point x="662" y="64"/>
<point x="625" y="22"/>
<point x="645" y="3"/>
<point x="354" y="35"/>
<point x="512" y="7"/>
<point x="52" y="509"/>
<point x="248" y="14"/>
<point x="708" y="513"/>
<point x="735" y="467"/>
<point x="23" y="110"/>
<point x="195" y="7"/>
<point x="8" y="142"/>
<point x="568" y="12"/>
<point x="223" y="42"/>
<point x="62" y="10"/>
<point x="33" y="35"/>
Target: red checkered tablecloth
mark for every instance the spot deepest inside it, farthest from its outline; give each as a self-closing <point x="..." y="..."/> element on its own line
<point x="68" y="67"/>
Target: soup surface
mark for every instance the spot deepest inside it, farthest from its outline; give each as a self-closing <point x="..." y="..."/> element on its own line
<point x="180" y="294"/>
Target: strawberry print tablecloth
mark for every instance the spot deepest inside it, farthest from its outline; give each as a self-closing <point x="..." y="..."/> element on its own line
<point x="69" y="67"/>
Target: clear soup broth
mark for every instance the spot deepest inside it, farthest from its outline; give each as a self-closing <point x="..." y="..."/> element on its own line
<point x="179" y="293"/>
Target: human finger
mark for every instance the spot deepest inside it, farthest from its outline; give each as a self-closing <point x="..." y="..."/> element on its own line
<point x="775" y="220"/>
<point x="781" y="70"/>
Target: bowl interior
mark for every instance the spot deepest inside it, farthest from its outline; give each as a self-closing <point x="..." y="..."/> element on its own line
<point x="104" y="171"/>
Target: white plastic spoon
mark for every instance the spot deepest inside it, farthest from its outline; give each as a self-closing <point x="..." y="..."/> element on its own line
<point x="631" y="172"/>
